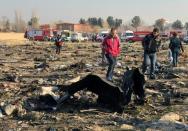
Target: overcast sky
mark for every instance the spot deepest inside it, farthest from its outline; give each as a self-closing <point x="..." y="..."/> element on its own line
<point x="73" y="10"/>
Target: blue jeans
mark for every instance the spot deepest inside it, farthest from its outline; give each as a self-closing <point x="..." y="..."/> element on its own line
<point x="149" y="59"/>
<point x="112" y="62"/>
<point x="175" y="54"/>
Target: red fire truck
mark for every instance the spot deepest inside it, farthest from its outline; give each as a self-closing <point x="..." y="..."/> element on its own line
<point x="40" y="34"/>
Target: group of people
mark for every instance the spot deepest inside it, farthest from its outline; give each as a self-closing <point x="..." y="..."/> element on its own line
<point x="133" y="79"/>
<point x="150" y="43"/>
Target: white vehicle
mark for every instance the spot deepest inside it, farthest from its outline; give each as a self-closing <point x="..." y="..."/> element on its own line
<point x="185" y="39"/>
<point x="85" y="36"/>
<point x="32" y="33"/>
<point x="77" y="37"/>
<point x="126" y="35"/>
<point x="102" y="35"/>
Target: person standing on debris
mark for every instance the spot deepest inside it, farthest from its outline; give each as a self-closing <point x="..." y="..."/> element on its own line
<point x="58" y="43"/>
<point x="151" y="45"/>
<point x="175" y="46"/>
<point x="111" y="49"/>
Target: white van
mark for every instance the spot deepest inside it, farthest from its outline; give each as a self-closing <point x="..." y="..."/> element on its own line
<point x="126" y="35"/>
<point x="102" y="35"/>
<point x="77" y="37"/>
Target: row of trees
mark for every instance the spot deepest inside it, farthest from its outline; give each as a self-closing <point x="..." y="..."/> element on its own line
<point x="94" y="21"/>
<point x="163" y="25"/>
<point x="19" y="25"/>
<point x="136" y="21"/>
<point x="112" y="22"/>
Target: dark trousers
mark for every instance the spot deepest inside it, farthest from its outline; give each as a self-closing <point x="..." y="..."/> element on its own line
<point x="112" y="62"/>
<point x="149" y="59"/>
<point x="58" y="49"/>
<point x="175" y="54"/>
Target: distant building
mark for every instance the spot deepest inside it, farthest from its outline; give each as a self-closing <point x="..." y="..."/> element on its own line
<point x="47" y="26"/>
<point x="75" y="27"/>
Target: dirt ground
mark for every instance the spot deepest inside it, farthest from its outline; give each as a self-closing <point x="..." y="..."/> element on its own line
<point x="82" y="111"/>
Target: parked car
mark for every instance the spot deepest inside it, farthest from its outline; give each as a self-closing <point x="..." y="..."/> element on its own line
<point x="138" y="36"/>
<point x="77" y="37"/>
<point x="66" y="35"/>
<point x="164" y="37"/>
<point x="126" y="35"/>
<point x="185" y="39"/>
<point x="135" y="38"/>
<point x="85" y="36"/>
<point x="100" y="37"/>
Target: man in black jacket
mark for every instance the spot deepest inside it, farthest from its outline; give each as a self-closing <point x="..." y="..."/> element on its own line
<point x="151" y="44"/>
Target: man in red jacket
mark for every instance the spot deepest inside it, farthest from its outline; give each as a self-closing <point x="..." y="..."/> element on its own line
<point x="111" y="48"/>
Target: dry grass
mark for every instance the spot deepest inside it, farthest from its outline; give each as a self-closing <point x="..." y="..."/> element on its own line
<point x="12" y="38"/>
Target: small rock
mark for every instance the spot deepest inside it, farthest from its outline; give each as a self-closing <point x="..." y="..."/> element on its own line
<point x="167" y="98"/>
<point x="185" y="101"/>
<point x="51" y="129"/>
<point x="118" y="72"/>
<point x="171" y="117"/>
<point x="32" y="116"/>
<point x="180" y="70"/>
<point x="2" y="104"/>
<point x="172" y="76"/>
<point x="76" y="129"/>
<point x="88" y="65"/>
<point x="152" y="91"/>
<point x="12" y="78"/>
<point x="88" y="93"/>
<point x="49" y="90"/>
<point x="77" y="95"/>
<point x="19" y="122"/>
<point x="119" y="64"/>
<point x="1" y="114"/>
<point x="40" y="81"/>
<point x="167" y="126"/>
<point x="73" y="80"/>
<point x="62" y="67"/>
<point x="181" y="83"/>
<point x="9" y="109"/>
<point x="127" y="127"/>
<point x="97" y="128"/>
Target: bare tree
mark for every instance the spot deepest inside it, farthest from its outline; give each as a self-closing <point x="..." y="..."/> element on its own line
<point x="34" y="21"/>
<point x="160" y="23"/>
<point x="136" y="22"/>
<point x="186" y="26"/>
<point x="5" y="24"/>
<point x="20" y="24"/>
<point x="82" y="21"/>
<point x="177" y="25"/>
